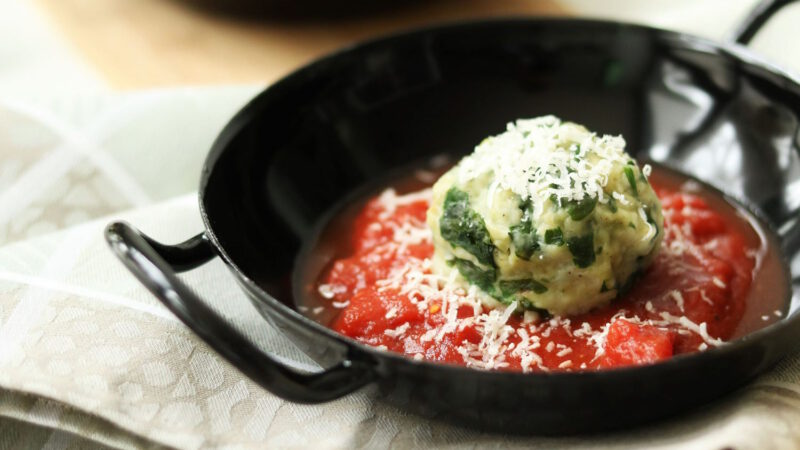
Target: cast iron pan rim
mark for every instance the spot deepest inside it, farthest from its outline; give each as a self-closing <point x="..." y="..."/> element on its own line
<point x="674" y="39"/>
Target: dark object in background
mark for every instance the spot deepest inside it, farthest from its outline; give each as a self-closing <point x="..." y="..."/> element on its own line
<point x="298" y="9"/>
<point x="710" y="110"/>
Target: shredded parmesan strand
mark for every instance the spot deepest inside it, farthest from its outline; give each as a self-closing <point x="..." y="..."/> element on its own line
<point x="397" y="332"/>
<point x="678" y="297"/>
<point x="699" y="329"/>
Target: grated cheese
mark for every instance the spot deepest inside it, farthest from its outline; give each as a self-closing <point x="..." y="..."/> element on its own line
<point x="651" y="230"/>
<point x="326" y="291"/>
<point x="703" y="295"/>
<point x="676" y="295"/>
<point x="537" y="158"/>
<point x="584" y="330"/>
<point x="397" y="332"/>
<point x="699" y="329"/>
<point x="530" y="316"/>
<point x="620" y="198"/>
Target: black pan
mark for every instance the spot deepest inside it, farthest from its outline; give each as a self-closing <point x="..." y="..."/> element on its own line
<point x="713" y="111"/>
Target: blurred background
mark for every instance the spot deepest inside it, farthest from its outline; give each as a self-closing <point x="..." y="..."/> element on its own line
<point x="53" y="45"/>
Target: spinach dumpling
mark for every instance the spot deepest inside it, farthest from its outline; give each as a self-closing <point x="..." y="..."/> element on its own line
<point x="548" y="214"/>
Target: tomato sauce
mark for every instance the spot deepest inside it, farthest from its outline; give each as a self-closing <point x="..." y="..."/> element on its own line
<point x="691" y="298"/>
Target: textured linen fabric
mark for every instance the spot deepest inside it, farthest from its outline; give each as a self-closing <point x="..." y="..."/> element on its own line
<point x="86" y="350"/>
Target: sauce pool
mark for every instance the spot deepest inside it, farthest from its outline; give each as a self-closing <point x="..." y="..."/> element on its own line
<point x="371" y="280"/>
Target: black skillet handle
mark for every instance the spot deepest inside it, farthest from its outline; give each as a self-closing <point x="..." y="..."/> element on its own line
<point x="762" y="12"/>
<point x="155" y="265"/>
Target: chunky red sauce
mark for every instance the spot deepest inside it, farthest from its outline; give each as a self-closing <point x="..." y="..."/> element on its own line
<point x="691" y="298"/>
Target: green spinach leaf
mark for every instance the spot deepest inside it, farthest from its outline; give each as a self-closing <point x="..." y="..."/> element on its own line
<point x="612" y="204"/>
<point x="578" y="210"/>
<point x="631" y="180"/>
<point x="582" y="249"/>
<point x="523" y="235"/>
<point x="524" y="239"/>
<point x="462" y="227"/>
<point x="554" y="236"/>
<point x="511" y="287"/>
<point x="483" y="278"/>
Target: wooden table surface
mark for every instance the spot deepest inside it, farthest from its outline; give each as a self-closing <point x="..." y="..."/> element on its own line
<point x="152" y="43"/>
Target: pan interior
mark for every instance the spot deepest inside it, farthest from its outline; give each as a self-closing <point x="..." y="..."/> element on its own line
<point x="350" y="119"/>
